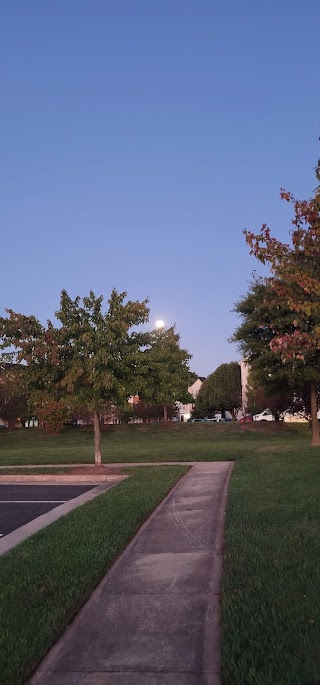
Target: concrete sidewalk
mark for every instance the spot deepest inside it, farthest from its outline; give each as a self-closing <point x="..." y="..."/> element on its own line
<point x="154" y="618"/>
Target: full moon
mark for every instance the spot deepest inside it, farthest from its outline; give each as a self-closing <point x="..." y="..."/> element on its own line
<point x="159" y="323"/>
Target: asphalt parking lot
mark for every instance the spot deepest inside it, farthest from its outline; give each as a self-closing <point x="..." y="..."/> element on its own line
<point x="20" y="504"/>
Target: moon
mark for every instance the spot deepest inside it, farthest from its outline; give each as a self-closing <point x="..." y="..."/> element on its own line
<point x="159" y="323"/>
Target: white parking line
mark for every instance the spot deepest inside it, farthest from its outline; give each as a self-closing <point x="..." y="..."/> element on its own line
<point x="33" y="501"/>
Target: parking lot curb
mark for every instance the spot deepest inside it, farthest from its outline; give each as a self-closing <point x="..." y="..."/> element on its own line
<point x="53" y="478"/>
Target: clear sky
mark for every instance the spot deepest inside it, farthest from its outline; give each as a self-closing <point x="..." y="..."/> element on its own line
<point x="138" y="139"/>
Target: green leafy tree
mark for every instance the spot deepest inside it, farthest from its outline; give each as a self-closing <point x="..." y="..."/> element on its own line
<point x="260" y="397"/>
<point x="124" y="414"/>
<point x="260" y="313"/>
<point x="90" y="359"/>
<point x="295" y="286"/>
<point x="167" y="375"/>
<point x="221" y="391"/>
<point x="272" y="383"/>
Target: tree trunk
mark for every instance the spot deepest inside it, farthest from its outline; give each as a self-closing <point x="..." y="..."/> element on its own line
<point x="97" y="438"/>
<point x="165" y="413"/>
<point x="314" y="415"/>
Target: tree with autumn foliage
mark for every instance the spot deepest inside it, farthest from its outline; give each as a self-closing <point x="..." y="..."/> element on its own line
<point x="13" y="400"/>
<point x="91" y="358"/>
<point x="294" y="285"/>
<point x="166" y="372"/>
<point x="52" y="414"/>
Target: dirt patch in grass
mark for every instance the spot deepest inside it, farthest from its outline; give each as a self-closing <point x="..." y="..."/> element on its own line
<point x="92" y="471"/>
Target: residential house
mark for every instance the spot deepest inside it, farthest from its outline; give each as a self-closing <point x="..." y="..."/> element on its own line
<point x="184" y="410"/>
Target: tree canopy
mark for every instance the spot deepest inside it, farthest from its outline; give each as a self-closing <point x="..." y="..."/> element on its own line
<point x="260" y="314"/>
<point x="278" y="397"/>
<point x="290" y="325"/>
<point x="13" y="400"/>
<point x="90" y="358"/>
<point x="221" y="391"/>
<point x="167" y="375"/>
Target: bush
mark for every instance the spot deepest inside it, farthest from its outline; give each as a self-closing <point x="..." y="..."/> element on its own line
<point x="52" y="415"/>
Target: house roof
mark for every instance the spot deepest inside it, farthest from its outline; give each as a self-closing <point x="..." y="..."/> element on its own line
<point x="6" y="366"/>
<point x="202" y="378"/>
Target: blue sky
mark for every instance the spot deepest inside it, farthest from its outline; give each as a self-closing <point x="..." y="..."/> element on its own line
<point x="138" y="139"/>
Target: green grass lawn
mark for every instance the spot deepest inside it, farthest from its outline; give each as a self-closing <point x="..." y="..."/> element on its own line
<point x="45" y="580"/>
<point x="155" y="442"/>
<point x="271" y="572"/>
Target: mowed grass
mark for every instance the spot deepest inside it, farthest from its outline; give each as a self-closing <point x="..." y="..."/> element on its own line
<point x="271" y="571"/>
<point x="45" y="580"/>
<point x="154" y="442"/>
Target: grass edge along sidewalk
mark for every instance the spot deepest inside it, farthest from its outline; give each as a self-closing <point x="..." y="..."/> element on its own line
<point x="45" y="580"/>
<point x="271" y="572"/>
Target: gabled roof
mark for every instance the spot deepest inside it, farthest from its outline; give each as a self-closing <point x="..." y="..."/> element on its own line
<point x="202" y="378"/>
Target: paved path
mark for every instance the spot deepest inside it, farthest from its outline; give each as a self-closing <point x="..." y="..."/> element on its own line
<point x="20" y="504"/>
<point x="154" y="619"/>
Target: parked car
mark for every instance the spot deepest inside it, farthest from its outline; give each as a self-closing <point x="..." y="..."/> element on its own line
<point x="215" y="419"/>
<point x="247" y="418"/>
<point x="265" y="415"/>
